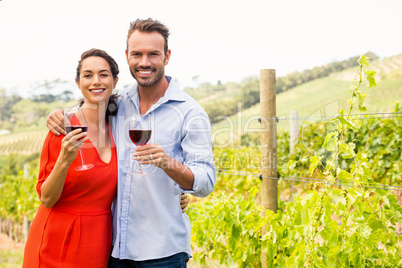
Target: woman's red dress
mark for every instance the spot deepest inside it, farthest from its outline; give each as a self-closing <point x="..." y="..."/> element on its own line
<point x="77" y="230"/>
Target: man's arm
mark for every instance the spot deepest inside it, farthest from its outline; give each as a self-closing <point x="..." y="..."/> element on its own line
<point x="55" y="122"/>
<point x="197" y="152"/>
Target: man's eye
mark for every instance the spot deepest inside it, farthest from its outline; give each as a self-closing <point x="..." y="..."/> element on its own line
<point x="104" y="75"/>
<point x="87" y="75"/>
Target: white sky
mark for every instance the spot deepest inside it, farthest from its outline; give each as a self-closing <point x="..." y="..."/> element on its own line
<point x="225" y="40"/>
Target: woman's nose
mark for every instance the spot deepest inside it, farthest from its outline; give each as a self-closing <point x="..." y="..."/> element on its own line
<point x="96" y="79"/>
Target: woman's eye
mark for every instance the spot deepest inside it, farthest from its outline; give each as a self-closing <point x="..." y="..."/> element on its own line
<point x="87" y="75"/>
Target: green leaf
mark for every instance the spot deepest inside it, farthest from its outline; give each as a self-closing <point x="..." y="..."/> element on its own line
<point x="333" y="251"/>
<point x="396" y="106"/>
<point x="314" y="161"/>
<point x="365" y="231"/>
<point x="363" y="60"/>
<point x="292" y="164"/>
<point x="344" y="121"/>
<point x="362" y="98"/>
<point x="330" y="141"/>
<point x="370" y="78"/>
<point x="271" y="251"/>
<point x="345" y="176"/>
<point x="326" y="233"/>
<point x="347" y="150"/>
<point x="336" y="195"/>
<point x="375" y="224"/>
<point x="253" y="192"/>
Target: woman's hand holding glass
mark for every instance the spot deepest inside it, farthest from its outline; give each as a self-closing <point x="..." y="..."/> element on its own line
<point x="71" y="144"/>
<point x="74" y="118"/>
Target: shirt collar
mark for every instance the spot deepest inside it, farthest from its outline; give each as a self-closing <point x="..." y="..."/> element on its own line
<point x="173" y="93"/>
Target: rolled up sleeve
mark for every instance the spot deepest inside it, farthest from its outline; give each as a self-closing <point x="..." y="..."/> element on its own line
<point x="197" y="153"/>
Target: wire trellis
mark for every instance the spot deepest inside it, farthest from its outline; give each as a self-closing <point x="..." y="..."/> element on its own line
<point x="317" y="118"/>
<point x="313" y="180"/>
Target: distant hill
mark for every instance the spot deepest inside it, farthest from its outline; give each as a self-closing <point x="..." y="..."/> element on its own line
<point x="319" y="98"/>
<point x="223" y="100"/>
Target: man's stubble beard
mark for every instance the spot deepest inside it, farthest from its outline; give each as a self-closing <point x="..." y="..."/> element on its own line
<point x="148" y="83"/>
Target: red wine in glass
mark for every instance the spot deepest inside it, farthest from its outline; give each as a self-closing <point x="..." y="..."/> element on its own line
<point x="140" y="133"/>
<point x="140" y="137"/>
<point x="71" y="128"/>
<point x="74" y="118"/>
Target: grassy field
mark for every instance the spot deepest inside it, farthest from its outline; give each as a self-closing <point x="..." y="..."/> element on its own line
<point x="23" y="143"/>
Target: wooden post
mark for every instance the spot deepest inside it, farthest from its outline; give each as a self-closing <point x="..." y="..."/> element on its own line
<point x="26" y="171"/>
<point x="269" y="187"/>
<point x="25" y="229"/>
<point x="294" y="134"/>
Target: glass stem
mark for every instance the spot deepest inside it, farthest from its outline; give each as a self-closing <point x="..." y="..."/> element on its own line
<point x="82" y="158"/>
<point x="139" y="167"/>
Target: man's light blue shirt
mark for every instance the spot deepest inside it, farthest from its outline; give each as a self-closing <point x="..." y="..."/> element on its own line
<point x="147" y="218"/>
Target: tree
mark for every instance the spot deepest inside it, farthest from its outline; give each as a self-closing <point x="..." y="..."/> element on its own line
<point x="6" y="104"/>
<point x="66" y="96"/>
<point x="250" y="92"/>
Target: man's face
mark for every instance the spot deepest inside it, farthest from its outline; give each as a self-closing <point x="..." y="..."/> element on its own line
<point x="146" y="57"/>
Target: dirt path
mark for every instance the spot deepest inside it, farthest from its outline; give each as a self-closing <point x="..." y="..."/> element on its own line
<point x="11" y="252"/>
<point x="7" y="243"/>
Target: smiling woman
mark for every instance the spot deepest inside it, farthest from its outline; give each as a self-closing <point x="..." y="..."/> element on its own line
<point x="73" y="225"/>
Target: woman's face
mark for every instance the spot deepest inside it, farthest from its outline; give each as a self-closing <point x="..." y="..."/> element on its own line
<point x="96" y="80"/>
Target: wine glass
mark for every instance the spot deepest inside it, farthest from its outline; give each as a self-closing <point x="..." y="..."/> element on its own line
<point x="140" y="133"/>
<point x="74" y="118"/>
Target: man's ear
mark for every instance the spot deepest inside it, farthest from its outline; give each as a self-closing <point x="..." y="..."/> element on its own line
<point x="167" y="57"/>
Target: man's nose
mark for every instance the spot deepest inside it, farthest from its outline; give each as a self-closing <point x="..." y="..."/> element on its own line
<point x="144" y="61"/>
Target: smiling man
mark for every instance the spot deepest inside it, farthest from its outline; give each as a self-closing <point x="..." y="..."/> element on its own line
<point x="149" y="229"/>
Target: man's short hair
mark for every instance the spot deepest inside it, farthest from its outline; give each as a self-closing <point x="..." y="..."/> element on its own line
<point x="149" y="25"/>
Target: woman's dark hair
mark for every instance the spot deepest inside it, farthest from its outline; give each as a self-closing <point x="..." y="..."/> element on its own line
<point x="114" y="68"/>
